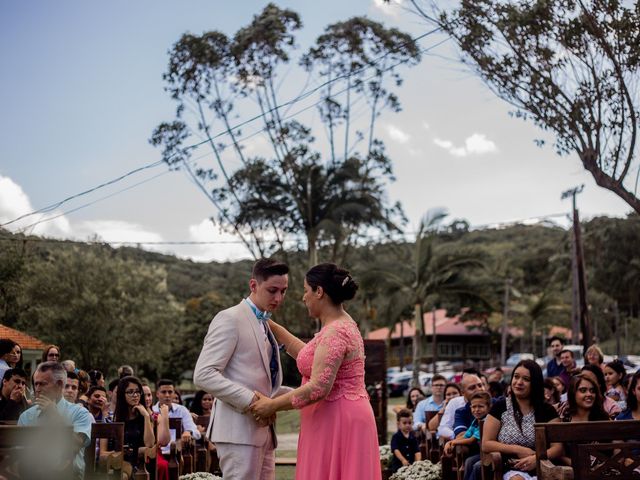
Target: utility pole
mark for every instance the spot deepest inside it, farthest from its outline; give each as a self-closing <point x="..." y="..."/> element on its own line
<point x="579" y="308"/>
<point x="434" y="341"/>
<point x="616" y="312"/>
<point x="505" y="315"/>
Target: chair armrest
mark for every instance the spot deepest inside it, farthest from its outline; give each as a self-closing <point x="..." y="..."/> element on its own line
<point x="550" y="471"/>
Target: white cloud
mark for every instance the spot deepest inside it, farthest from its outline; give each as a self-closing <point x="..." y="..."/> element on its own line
<point x="388" y="8"/>
<point x="226" y="248"/>
<point x="118" y="231"/>
<point x="426" y="125"/>
<point x="398" y="135"/>
<point x="476" y="144"/>
<point x="14" y="202"/>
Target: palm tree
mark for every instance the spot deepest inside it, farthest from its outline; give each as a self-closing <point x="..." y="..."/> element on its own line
<point x="429" y="274"/>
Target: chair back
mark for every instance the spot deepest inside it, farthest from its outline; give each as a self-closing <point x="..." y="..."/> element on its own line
<point x="114" y="434"/>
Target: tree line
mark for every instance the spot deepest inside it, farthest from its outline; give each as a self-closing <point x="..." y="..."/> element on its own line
<point x="109" y="306"/>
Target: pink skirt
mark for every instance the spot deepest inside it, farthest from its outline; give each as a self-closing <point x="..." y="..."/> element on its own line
<point x="338" y="441"/>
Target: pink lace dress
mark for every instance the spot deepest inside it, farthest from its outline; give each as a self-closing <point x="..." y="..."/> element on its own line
<point x="338" y="438"/>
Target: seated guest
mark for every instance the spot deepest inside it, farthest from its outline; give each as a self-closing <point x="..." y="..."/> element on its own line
<point x="201" y="406"/>
<point x="551" y="394"/>
<point x="614" y="373"/>
<point x="509" y="427"/>
<point x="404" y="444"/>
<point x="147" y="394"/>
<point x="51" y="353"/>
<point x="112" y="392"/>
<point x="497" y="375"/>
<point x="633" y="400"/>
<point x="71" y="387"/>
<point x="12" y="395"/>
<point x="69" y="365"/>
<point x="594" y="356"/>
<point x="584" y="400"/>
<point x="432" y="404"/>
<point x="451" y="391"/>
<point x="480" y="405"/>
<point x="569" y="364"/>
<point x="584" y="404"/>
<point x="414" y="396"/>
<point x="496" y="389"/>
<point x="125" y="371"/>
<point x="177" y="397"/>
<point x="560" y="387"/>
<point x="463" y="417"/>
<point x="164" y="394"/>
<point x="97" y="403"/>
<point x="610" y="406"/>
<point x="555" y="367"/>
<point x="96" y="378"/>
<point x="138" y="425"/>
<point x="10" y="355"/>
<point x="445" y="429"/>
<point x="84" y="382"/>
<point x="49" y="380"/>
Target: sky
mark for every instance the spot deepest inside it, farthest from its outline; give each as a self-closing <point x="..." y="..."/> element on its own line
<point x="82" y="90"/>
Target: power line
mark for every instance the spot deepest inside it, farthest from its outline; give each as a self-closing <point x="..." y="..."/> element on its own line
<point x="288" y="240"/>
<point x="291" y="102"/>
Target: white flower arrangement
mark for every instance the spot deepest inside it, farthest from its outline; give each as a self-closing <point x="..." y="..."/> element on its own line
<point x="199" y="476"/>
<point x="385" y="455"/>
<point x="423" y="470"/>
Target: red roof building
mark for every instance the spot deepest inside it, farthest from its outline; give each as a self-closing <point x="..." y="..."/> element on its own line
<point x="31" y="346"/>
<point x="456" y="340"/>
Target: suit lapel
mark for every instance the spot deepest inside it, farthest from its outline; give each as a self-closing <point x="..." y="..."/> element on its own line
<point x="258" y="334"/>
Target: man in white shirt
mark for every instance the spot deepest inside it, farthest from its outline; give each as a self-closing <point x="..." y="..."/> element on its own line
<point x="164" y="393"/>
<point x="445" y="429"/>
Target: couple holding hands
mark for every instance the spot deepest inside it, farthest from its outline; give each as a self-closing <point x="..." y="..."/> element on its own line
<point x="240" y="366"/>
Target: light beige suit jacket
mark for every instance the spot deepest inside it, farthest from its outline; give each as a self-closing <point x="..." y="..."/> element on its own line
<point x="233" y="363"/>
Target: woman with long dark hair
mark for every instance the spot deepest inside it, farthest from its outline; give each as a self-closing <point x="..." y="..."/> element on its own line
<point x="584" y="401"/>
<point x="509" y="427"/>
<point x="610" y="406"/>
<point x="338" y="437"/>
<point x="633" y="400"/>
<point x="10" y="355"/>
<point x="202" y="403"/>
<point x="414" y="395"/>
<point x="138" y="425"/>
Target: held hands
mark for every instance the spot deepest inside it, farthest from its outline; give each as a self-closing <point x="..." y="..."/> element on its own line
<point x="263" y="409"/>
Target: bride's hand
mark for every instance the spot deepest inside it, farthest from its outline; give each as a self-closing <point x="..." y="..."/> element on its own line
<point x="263" y="407"/>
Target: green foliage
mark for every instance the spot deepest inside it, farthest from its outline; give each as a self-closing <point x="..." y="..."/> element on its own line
<point x="104" y="310"/>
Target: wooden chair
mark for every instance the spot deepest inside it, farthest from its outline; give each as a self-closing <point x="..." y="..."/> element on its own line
<point x="491" y="462"/>
<point x="605" y="449"/>
<point x="20" y="445"/>
<point x="432" y="446"/>
<point x="113" y="432"/>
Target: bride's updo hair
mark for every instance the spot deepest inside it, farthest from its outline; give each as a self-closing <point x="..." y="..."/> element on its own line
<point x="335" y="281"/>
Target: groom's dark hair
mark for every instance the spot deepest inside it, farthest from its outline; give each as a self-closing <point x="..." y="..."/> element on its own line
<point x="268" y="267"/>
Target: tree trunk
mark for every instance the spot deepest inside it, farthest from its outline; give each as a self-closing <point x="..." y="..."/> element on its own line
<point x="417" y="344"/>
<point x="434" y="340"/>
<point x="505" y="314"/>
<point x="401" y="349"/>
<point x="312" y="248"/>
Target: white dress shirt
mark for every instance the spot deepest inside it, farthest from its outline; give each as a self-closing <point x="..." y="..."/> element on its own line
<point x="181" y="412"/>
<point x="445" y="429"/>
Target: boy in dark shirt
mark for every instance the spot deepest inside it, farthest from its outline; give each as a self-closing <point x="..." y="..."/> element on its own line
<point x="404" y="444"/>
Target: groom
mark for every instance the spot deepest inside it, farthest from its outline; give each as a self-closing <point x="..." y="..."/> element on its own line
<point x="240" y="356"/>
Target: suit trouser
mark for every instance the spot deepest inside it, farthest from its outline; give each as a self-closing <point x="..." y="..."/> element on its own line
<point x="246" y="462"/>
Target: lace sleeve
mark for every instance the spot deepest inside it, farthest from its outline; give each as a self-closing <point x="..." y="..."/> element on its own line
<point x="329" y="354"/>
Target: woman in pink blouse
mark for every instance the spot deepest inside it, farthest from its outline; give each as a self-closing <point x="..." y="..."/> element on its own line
<point x="338" y="437"/>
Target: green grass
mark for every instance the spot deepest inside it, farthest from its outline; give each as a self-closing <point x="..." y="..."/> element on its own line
<point x="288" y="422"/>
<point x="285" y="473"/>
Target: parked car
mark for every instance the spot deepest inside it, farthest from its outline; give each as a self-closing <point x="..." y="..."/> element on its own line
<point x="398" y="383"/>
<point x="516" y="358"/>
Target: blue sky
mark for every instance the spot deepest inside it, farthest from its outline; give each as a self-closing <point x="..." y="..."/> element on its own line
<point x="82" y="90"/>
